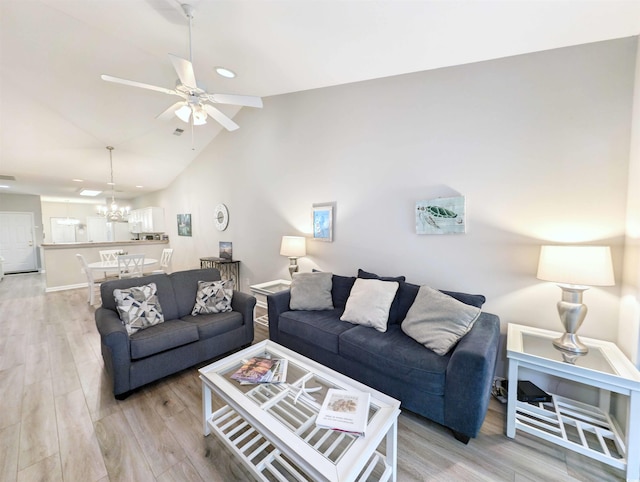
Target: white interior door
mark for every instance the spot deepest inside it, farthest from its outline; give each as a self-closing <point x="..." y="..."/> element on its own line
<point x="17" y="244"/>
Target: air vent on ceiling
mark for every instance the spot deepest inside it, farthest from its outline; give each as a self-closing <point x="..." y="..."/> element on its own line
<point x="7" y="178"/>
<point x="178" y="132"/>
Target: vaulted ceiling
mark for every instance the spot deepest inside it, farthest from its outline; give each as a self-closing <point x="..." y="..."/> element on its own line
<point x="57" y="115"/>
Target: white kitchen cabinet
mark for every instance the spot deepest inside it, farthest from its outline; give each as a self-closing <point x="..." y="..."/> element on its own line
<point x="147" y="220"/>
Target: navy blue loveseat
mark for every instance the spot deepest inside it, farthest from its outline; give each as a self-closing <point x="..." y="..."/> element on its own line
<point x="182" y="341"/>
<point x="452" y="390"/>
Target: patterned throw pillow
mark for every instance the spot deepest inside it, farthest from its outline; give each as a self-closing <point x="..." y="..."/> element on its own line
<point x="213" y="297"/>
<point x="138" y="307"/>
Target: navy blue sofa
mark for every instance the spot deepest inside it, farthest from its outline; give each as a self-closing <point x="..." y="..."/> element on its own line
<point x="452" y="390"/>
<point x="181" y="341"/>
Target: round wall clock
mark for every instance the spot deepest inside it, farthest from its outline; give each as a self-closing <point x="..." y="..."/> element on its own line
<point x="221" y="217"/>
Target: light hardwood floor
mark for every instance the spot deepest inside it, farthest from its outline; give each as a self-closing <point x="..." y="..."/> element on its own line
<point x="60" y="422"/>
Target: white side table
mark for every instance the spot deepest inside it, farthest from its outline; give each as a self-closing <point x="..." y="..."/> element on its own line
<point x="260" y="291"/>
<point x="586" y="429"/>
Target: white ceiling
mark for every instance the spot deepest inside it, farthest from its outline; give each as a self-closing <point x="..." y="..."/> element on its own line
<point x="57" y="115"/>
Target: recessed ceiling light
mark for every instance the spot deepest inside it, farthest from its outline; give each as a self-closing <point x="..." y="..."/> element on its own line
<point x="77" y="180"/>
<point x="224" y="72"/>
<point x="4" y="186"/>
<point x="111" y="184"/>
<point x="89" y="192"/>
<point x="139" y="187"/>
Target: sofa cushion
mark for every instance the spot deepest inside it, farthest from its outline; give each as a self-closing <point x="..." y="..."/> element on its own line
<point x="396" y="355"/>
<point x="369" y="303"/>
<point x="323" y="327"/>
<point x="185" y="285"/>
<point x="311" y="291"/>
<point x="437" y="320"/>
<point x="213" y="297"/>
<point x="213" y="324"/>
<point x="138" y="307"/>
<point x="393" y="311"/>
<point x="158" y="338"/>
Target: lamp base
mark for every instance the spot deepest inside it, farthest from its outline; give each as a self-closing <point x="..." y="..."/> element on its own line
<point x="572" y="313"/>
<point x="293" y="266"/>
<point x="570" y="342"/>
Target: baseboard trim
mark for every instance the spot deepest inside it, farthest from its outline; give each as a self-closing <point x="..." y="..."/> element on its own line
<point x="51" y="289"/>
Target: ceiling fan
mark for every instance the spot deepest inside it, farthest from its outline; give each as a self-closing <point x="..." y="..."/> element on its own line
<point x="196" y="104"/>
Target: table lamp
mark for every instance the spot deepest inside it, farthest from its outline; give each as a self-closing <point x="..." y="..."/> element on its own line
<point x="293" y="247"/>
<point x="574" y="269"/>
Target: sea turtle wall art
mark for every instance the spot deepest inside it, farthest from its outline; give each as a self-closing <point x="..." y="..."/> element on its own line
<point x="444" y="215"/>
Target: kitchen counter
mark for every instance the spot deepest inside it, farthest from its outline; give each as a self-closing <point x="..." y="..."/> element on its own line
<point x="106" y="244"/>
<point x="62" y="268"/>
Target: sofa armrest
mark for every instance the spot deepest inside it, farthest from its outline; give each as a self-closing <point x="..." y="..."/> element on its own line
<point x="277" y="303"/>
<point x="115" y="347"/>
<point x="469" y="376"/>
<point x="244" y="304"/>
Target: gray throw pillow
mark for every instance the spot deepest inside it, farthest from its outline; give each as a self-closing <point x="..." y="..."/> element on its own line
<point x="437" y="320"/>
<point x="311" y="291"/>
<point x="213" y="297"/>
<point x="138" y="307"/>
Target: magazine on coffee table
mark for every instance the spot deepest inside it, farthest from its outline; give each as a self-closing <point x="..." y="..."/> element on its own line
<point x="262" y="370"/>
<point x="346" y="411"/>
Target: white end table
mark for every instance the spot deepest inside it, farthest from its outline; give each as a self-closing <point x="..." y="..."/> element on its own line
<point x="262" y="290"/>
<point x="586" y="429"/>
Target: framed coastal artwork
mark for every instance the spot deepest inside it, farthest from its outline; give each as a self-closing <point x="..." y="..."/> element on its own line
<point x="443" y="215"/>
<point x="322" y="218"/>
<point x="184" y="224"/>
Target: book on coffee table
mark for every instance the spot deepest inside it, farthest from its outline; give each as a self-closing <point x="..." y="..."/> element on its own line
<point x="346" y="411"/>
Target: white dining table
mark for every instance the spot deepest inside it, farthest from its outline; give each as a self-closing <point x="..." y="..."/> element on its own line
<point x="108" y="266"/>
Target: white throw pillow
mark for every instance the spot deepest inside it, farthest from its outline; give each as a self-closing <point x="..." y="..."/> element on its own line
<point x="369" y="303"/>
<point x="311" y="291"/>
<point x="437" y="320"/>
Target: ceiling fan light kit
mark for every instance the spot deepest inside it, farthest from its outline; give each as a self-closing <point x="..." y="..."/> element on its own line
<point x="196" y="104"/>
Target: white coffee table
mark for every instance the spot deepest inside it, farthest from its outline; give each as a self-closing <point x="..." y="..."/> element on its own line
<point x="271" y="427"/>
<point x="591" y="430"/>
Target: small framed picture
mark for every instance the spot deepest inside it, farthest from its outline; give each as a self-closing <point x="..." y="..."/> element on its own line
<point x="322" y="218"/>
<point x="184" y="224"/>
<point x="226" y="250"/>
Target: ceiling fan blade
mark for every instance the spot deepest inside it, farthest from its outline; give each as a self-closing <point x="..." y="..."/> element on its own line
<point x="184" y="69"/>
<point x="169" y="113"/>
<point x="221" y="118"/>
<point x="133" y="83"/>
<point x="247" y="100"/>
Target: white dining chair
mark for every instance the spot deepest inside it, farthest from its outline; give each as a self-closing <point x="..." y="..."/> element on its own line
<point x="109" y="255"/>
<point x="165" y="260"/>
<point x="130" y="265"/>
<point x="92" y="283"/>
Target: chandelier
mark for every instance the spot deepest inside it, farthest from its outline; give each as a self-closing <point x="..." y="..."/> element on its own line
<point x="112" y="212"/>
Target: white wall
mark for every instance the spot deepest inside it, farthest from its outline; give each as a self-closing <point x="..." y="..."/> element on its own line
<point x="538" y="144"/>
<point x="629" y="326"/>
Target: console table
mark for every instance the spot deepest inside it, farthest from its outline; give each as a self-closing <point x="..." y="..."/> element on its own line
<point x="590" y="430"/>
<point x="229" y="270"/>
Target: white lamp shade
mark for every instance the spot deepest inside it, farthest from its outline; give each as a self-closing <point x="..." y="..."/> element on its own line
<point x="576" y="265"/>
<point x="293" y="246"/>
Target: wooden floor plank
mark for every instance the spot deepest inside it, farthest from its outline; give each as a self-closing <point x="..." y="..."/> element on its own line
<point x="9" y="444"/>
<point x="80" y="453"/>
<point x="47" y="469"/>
<point x="39" y="430"/>
<point x="121" y="451"/>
